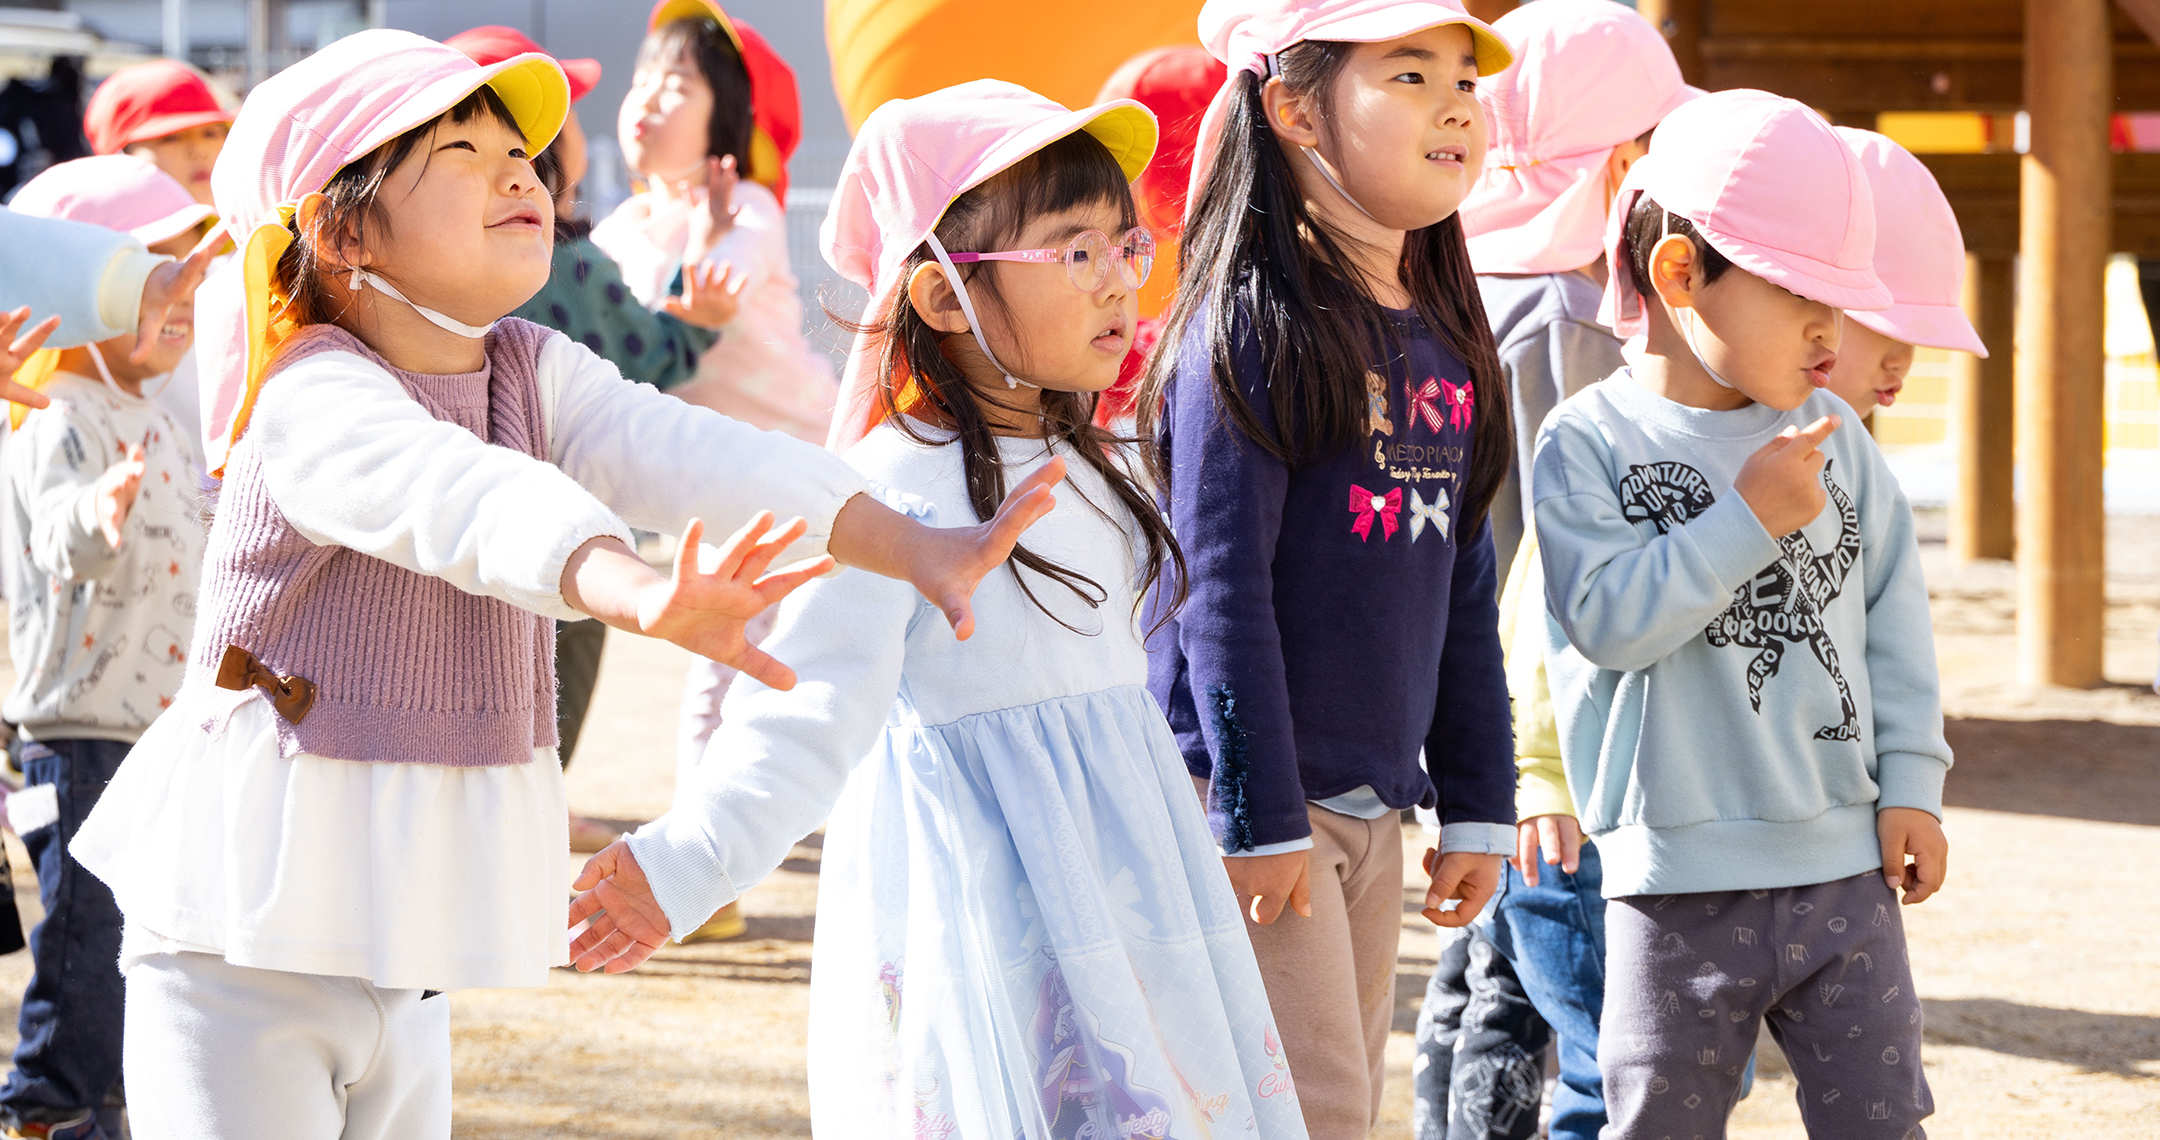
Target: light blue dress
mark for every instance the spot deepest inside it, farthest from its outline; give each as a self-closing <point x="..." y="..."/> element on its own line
<point x="1024" y="928"/>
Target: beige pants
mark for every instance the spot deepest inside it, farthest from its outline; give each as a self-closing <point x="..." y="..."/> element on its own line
<point x="1331" y="977"/>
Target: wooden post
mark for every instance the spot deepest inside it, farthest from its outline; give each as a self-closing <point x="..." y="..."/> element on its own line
<point x="1982" y="520"/>
<point x="1682" y="23"/>
<point x="1490" y="10"/>
<point x="2066" y="197"/>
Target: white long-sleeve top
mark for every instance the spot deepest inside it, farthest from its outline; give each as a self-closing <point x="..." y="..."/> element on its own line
<point x="417" y="875"/>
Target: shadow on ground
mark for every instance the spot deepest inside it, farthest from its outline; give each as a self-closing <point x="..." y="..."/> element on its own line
<point x="2077" y="769"/>
<point x="2126" y="1045"/>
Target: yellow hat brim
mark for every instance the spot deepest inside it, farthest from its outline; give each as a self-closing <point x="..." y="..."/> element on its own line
<point x="669" y="11"/>
<point x="1129" y="133"/>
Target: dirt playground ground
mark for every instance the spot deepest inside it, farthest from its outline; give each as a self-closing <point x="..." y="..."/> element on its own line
<point x="2038" y="965"/>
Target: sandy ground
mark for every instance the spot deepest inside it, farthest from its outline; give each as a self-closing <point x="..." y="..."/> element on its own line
<point x="2036" y="965"/>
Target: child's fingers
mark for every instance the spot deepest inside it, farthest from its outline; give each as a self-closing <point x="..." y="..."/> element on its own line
<point x="768" y="547"/>
<point x="1892" y="842"/>
<point x="1930" y="866"/>
<point x="1265" y="908"/>
<point x="739" y="545"/>
<point x="1526" y="851"/>
<point x="1301" y="891"/>
<point x="757" y="663"/>
<point x="33" y="340"/>
<point x="780" y="583"/>
<point x="599" y="867"/>
<point x="686" y="551"/>
<point x="1818" y="431"/>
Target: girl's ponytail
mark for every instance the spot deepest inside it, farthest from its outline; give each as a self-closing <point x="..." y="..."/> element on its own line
<point x="1252" y="251"/>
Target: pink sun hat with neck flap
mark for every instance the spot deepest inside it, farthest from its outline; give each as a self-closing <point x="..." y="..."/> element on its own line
<point x="1919" y="250"/>
<point x="911" y="159"/>
<point x="1247" y="35"/>
<point x="1768" y="184"/>
<point x="296" y="130"/>
<point x="117" y="191"/>
<point x="1589" y="76"/>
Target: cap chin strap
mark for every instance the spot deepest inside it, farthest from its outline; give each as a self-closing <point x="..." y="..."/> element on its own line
<point x="1687" y="327"/>
<point x="97" y="357"/>
<point x="1322" y="167"/>
<point x="362" y="278"/>
<point x="967" y="309"/>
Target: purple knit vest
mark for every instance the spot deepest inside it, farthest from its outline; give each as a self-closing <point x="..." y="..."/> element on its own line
<point x="407" y="668"/>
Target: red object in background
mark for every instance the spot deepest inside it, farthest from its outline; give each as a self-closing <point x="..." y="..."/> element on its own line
<point x="149" y="101"/>
<point x="493" y="43"/>
<point x="1117" y="402"/>
<point x="777" y="106"/>
<point x="1176" y="83"/>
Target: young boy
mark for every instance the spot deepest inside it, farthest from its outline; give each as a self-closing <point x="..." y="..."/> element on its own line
<point x="104" y="543"/>
<point x="1920" y="256"/>
<point x="1741" y="663"/>
<point x="1591" y="79"/>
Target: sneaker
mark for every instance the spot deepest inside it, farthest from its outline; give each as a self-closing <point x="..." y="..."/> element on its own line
<point x="726" y="923"/>
<point x="84" y="1127"/>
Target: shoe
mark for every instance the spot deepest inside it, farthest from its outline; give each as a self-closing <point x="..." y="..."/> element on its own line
<point x="84" y="1127"/>
<point x="726" y="923"/>
<point x="588" y="836"/>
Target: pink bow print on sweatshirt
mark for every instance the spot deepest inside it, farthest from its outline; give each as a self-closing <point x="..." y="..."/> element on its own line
<point x="1424" y="402"/>
<point x="1365" y="504"/>
<point x="1461" y="401"/>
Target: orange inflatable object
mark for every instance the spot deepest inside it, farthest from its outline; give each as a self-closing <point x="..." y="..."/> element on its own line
<point x="897" y="49"/>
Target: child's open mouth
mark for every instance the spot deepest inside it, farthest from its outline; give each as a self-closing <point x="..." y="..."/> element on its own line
<point x="1455" y="155"/>
<point x="524" y="216"/>
<point x="1884" y="397"/>
<point x="175" y="334"/>
<point x="1819" y="374"/>
<point x="1112" y="338"/>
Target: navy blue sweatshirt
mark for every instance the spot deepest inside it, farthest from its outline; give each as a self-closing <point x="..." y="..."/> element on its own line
<point x="1334" y="626"/>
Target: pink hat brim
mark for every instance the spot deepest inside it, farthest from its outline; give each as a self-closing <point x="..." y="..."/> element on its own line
<point x="1927" y="326"/>
<point x="173" y="225"/>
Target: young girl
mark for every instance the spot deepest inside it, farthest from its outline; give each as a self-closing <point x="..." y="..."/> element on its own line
<point x="353" y="802"/>
<point x="712" y="115"/>
<point x="1327" y="352"/>
<point x="1022" y="927"/>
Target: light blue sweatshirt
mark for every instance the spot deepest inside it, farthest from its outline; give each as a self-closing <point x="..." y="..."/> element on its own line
<point x="93" y="277"/>
<point x="1733" y="709"/>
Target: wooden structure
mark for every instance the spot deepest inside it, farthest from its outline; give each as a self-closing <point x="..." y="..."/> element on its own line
<point x="2065" y="204"/>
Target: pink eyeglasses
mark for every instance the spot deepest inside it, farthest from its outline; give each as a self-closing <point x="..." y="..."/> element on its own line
<point x="1087" y="258"/>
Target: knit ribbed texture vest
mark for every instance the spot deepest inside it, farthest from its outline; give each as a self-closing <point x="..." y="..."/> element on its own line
<point x="407" y="668"/>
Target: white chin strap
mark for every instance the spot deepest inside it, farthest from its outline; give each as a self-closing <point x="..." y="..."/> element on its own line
<point x="967" y="309"/>
<point x="1687" y="326"/>
<point x="1322" y="166"/>
<point x="361" y="278"/>
<point x="97" y="357"/>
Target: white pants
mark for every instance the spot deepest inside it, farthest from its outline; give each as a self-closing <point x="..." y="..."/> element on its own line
<point x="218" y="1050"/>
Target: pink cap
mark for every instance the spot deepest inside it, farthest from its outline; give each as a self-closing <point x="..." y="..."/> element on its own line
<point x="911" y="159"/>
<point x="1769" y="185"/>
<point x="296" y="130"/>
<point x="1247" y="34"/>
<point x="1919" y="252"/>
<point x="1589" y="75"/>
<point x="117" y="191"/>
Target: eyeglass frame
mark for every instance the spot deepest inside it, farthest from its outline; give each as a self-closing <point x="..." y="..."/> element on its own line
<point x="1063" y="254"/>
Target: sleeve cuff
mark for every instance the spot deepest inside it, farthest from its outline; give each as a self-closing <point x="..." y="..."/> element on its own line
<point x="557" y="562"/>
<point x="1283" y="848"/>
<point x="120" y="289"/>
<point x="1910" y="780"/>
<point x="1477" y="838"/>
<point x="683" y="871"/>
<point x="1540" y="789"/>
<point x="1732" y="540"/>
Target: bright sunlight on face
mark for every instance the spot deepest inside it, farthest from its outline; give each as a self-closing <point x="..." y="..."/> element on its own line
<point x="1406" y="130"/>
<point x="471" y="231"/>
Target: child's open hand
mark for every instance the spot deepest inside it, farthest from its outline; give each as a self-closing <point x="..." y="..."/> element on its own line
<point x="1910" y="831"/>
<point x="1782" y="482"/>
<point x="1465" y="876"/>
<point x="1559" y="835"/>
<point x="16" y="351"/>
<point x="627" y="922"/>
<point x="168" y="285"/>
<point x="711" y="296"/>
<point x="704" y="611"/>
<point x="1268" y="883"/>
<point x="946" y="564"/>
<point x="116" y="494"/>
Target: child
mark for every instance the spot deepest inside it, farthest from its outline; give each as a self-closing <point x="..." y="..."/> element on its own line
<point x="1324" y="288"/>
<point x="411" y="487"/>
<point x="1022" y="927"/>
<point x="585" y="299"/>
<point x="165" y="112"/>
<point x="712" y="114"/>
<point x="1920" y="256"/>
<point x="104" y="541"/>
<point x="1590" y="81"/>
<point x="1744" y="681"/>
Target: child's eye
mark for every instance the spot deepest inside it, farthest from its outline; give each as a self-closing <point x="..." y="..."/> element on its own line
<point x="518" y="152"/>
<point x="1466" y="85"/>
<point x="1411" y="77"/>
<point x="461" y="145"/>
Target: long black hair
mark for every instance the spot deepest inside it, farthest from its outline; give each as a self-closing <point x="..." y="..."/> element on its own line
<point x="1251" y="246"/>
<point x="922" y="391"/>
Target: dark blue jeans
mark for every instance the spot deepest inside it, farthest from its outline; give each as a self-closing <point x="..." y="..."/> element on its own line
<point x="1553" y="934"/>
<point x="70" y="1052"/>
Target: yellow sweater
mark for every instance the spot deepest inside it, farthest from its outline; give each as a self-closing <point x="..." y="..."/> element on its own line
<point x="1541" y="786"/>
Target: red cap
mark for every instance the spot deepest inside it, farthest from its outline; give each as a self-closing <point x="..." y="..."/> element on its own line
<point x="1176" y="83"/>
<point x="149" y="101"/>
<point x="492" y="43"/>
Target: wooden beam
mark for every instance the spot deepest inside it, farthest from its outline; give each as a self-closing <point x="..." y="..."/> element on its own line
<point x="1682" y="21"/>
<point x="2061" y="525"/>
<point x="1982" y="518"/>
<point x="2146" y="13"/>
<point x="1983" y="189"/>
<point x="1909" y="74"/>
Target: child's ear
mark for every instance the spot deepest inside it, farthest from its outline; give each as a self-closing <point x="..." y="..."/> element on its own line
<point x="337" y="250"/>
<point x="934" y="299"/>
<point x="1289" y="115"/>
<point x="1675" y="270"/>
